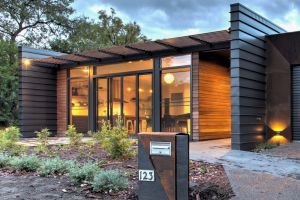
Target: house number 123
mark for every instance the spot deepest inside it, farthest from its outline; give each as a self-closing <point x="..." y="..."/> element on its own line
<point x="146" y="175"/>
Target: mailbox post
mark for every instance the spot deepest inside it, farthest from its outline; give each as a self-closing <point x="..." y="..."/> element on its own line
<point x="163" y="162"/>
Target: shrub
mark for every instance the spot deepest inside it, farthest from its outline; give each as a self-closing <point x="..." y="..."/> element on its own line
<point x="53" y="167"/>
<point x="42" y="138"/>
<point x="26" y="163"/>
<point x="4" y="160"/>
<point x="8" y="140"/>
<point x="110" y="180"/>
<point x="114" y="140"/>
<point x="264" y="146"/>
<point x="86" y="172"/>
<point x="75" y="138"/>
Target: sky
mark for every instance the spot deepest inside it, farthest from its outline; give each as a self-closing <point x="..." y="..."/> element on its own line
<point x="172" y="18"/>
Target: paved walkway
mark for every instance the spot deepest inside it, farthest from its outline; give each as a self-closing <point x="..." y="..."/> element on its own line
<point x="253" y="175"/>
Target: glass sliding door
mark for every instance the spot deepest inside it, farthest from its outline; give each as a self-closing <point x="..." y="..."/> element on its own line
<point x="145" y="103"/>
<point x="129" y="103"/>
<point x="127" y="96"/>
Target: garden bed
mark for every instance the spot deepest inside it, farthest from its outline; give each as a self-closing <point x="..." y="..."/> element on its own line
<point x="208" y="181"/>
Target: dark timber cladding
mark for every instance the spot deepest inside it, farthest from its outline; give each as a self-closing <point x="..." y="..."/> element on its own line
<point x="248" y="31"/>
<point x="37" y="93"/>
<point x="283" y="76"/>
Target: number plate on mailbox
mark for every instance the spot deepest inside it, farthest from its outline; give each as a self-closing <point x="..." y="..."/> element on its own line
<point x="146" y="175"/>
<point x="160" y="148"/>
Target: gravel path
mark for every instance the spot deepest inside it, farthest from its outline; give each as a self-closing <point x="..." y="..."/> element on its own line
<point x="36" y="188"/>
<point x="249" y="185"/>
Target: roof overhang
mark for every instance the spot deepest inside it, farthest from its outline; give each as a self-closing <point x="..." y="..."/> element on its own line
<point x="144" y="50"/>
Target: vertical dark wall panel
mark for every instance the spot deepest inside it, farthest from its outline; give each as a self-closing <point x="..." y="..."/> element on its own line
<point x="37" y="93"/>
<point x="296" y="102"/>
<point x="248" y="31"/>
<point x="283" y="60"/>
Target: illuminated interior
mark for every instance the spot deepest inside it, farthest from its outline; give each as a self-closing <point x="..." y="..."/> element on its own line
<point x="117" y="95"/>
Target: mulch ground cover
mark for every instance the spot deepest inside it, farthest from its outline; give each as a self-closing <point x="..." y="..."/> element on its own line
<point x="207" y="181"/>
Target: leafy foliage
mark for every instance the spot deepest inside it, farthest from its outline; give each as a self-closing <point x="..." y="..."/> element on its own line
<point x="109" y="180"/>
<point x="264" y="146"/>
<point x="31" y="22"/>
<point x="108" y="31"/>
<point x="53" y="167"/>
<point x="8" y="140"/>
<point x="26" y="163"/>
<point x="42" y="138"/>
<point x="86" y="172"/>
<point x="75" y="138"/>
<point x="8" y="83"/>
<point x="4" y="160"/>
<point x="114" y="140"/>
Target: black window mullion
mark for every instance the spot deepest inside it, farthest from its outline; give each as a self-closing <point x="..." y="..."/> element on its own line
<point x="137" y="110"/>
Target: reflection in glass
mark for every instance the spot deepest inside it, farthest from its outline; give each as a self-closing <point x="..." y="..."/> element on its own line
<point x="145" y="103"/>
<point x="79" y="104"/>
<point x="115" y="98"/>
<point x="176" y="61"/>
<point x="125" y="67"/>
<point x="129" y="103"/>
<point x="175" y="100"/>
<point x="102" y="101"/>
<point x="79" y="71"/>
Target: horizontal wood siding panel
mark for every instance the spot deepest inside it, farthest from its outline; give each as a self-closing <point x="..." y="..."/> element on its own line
<point x="214" y="99"/>
<point x="248" y="79"/>
<point x="37" y="93"/>
<point x="195" y="96"/>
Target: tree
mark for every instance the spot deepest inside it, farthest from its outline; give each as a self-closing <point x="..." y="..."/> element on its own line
<point x="8" y="83"/>
<point x="32" y="21"/>
<point x="109" y="31"/>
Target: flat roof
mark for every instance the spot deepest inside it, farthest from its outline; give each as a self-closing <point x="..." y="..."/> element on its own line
<point x="148" y="49"/>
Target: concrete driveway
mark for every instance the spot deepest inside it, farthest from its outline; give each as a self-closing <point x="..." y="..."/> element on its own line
<point x="274" y="174"/>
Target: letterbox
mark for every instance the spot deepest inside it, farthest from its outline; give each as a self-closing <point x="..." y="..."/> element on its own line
<point x="163" y="162"/>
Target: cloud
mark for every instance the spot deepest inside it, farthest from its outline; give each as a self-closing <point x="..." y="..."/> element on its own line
<point x="170" y="18"/>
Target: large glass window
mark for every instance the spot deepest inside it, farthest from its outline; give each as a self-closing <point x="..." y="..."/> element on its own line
<point x="102" y="94"/>
<point x="125" y="67"/>
<point x="79" y="104"/>
<point x="175" y="99"/>
<point x="145" y="103"/>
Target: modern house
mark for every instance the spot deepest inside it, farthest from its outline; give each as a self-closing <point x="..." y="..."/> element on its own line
<point x="242" y="83"/>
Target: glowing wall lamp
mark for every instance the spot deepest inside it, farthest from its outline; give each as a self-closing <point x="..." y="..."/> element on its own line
<point x="278" y="127"/>
<point x="26" y="63"/>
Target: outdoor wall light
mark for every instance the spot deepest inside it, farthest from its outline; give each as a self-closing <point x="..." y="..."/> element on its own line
<point x="26" y="63"/>
<point x="169" y="78"/>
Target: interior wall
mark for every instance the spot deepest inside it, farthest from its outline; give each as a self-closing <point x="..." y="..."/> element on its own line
<point x="214" y="97"/>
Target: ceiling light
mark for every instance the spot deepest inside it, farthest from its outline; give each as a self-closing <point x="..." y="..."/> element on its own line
<point x="169" y="78"/>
